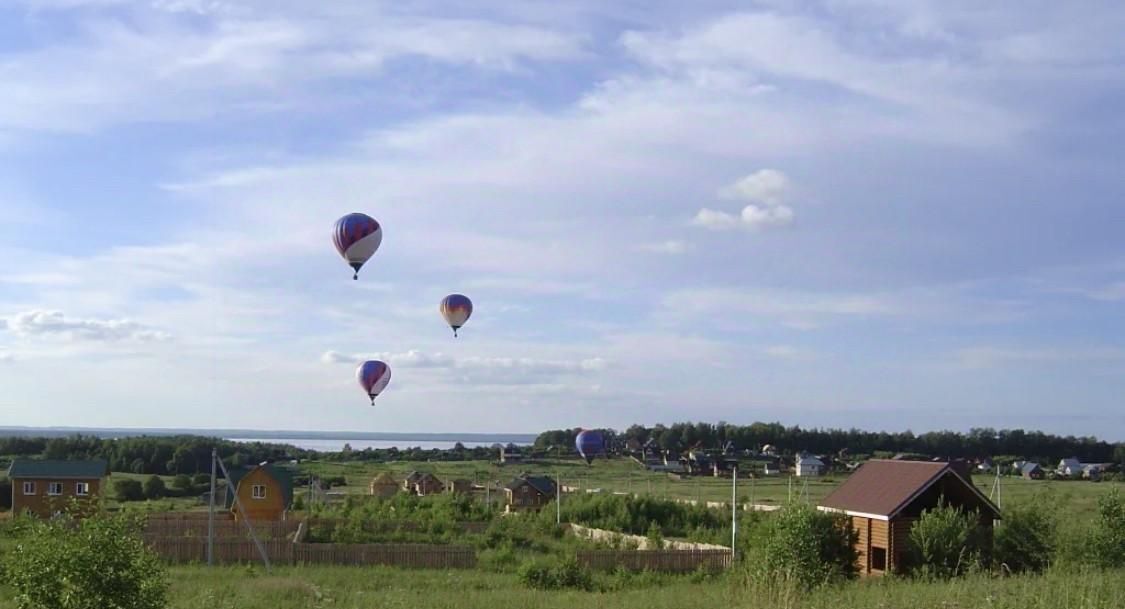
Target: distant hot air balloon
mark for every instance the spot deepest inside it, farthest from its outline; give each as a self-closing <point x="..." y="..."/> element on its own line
<point x="456" y="309"/>
<point x="590" y="443"/>
<point x="356" y="237"/>
<point x="373" y="376"/>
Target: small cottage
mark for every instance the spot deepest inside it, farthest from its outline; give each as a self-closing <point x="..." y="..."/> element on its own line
<point x="884" y="498"/>
<point x="422" y="484"/>
<point x="265" y="492"/>
<point x="1031" y="471"/>
<point x="459" y="486"/>
<point x="809" y="465"/>
<point x="1070" y="468"/>
<point x="384" y="485"/>
<point x="529" y="493"/>
<point x="48" y="487"/>
<point x="510" y="454"/>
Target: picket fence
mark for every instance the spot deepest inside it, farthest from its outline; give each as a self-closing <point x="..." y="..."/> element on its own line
<point x="227" y="551"/>
<point x="670" y="561"/>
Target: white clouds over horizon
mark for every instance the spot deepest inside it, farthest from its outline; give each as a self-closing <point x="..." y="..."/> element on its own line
<point x="609" y="184"/>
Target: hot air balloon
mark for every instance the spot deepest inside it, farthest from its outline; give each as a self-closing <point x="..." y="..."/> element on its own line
<point x="590" y="443"/>
<point x="456" y="309"/>
<point x="373" y="376"/>
<point x="356" y="237"/>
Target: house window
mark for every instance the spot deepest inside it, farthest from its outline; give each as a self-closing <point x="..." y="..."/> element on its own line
<point x="81" y="488"/>
<point x="879" y="559"/>
<point x="258" y="491"/>
<point x="28" y="488"/>
<point x="54" y="488"/>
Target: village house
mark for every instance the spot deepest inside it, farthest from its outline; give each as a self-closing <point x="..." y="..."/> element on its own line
<point x="1069" y="468"/>
<point x="884" y="498"/>
<point x="459" y="486"/>
<point x="529" y="493"/>
<point x="1031" y="471"/>
<point x="265" y="492"/>
<point x="422" y="484"/>
<point x="510" y="454"/>
<point x="809" y="465"/>
<point x="384" y="485"/>
<point x="45" y="488"/>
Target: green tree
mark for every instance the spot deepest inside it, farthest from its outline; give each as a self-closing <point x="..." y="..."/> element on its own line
<point x="182" y="482"/>
<point x="945" y="541"/>
<point x="105" y="564"/>
<point x="138" y="466"/>
<point x="1026" y="537"/>
<point x="128" y="490"/>
<point x="201" y="479"/>
<point x="808" y="548"/>
<point x="655" y="536"/>
<point x="154" y="487"/>
<point x="1107" y="539"/>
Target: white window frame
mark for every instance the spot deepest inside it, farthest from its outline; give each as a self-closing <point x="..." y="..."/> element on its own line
<point x="28" y="488"/>
<point x="51" y="486"/>
<point x="258" y="491"/>
<point x="81" y="489"/>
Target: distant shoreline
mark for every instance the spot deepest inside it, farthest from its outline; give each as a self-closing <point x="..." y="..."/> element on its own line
<point x="257" y="434"/>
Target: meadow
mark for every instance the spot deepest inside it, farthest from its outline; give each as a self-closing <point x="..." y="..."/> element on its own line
<point x="388" y="588"/>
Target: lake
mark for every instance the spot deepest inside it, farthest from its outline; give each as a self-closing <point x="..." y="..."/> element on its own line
<point x="333" y="445"/>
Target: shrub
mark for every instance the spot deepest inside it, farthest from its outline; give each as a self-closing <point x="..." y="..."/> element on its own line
<point x="945" y="542"/>
<point x="128" y="490"/>
<point x="201" y="479"/>
<point x="182" y="482"/>
<point x="1106" y="542"/>
<point x="154" y="487"/>
<point x="543" y="575"/>
<point x="537" y="575"/>
<point x="1026" y="538"/>
<point x="655" y="537"/>
<point x="808" y="547"/>
<point x="105" y="564"/>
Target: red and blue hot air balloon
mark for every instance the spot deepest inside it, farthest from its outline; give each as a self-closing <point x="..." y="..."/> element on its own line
<point x="456" y="309"/>
<point x="373" y="376"/>
<point x="590" y="443"/>
<point x="357" y="236"/>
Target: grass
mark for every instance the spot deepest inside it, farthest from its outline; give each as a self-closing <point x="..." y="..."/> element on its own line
<point x="387" y="588"/>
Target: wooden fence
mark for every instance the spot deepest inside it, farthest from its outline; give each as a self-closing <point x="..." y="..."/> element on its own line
<point x="384" y="526"/>
<point x="227" y="551"/>
<point x="224" y="528"/>
<point x="671" y="561"/>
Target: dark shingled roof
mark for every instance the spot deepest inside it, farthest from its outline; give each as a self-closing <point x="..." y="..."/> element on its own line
<point x="543" y="484"/>
<point x="93" y="469"/>
<point x="884" y="487"/>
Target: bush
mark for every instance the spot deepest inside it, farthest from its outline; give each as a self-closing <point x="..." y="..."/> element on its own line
<point x="105" y="564"/>
<point x="945" y="542"/>
<point x="154" y="487"/>
<point x="182" y="482"/>
<point x="201" y="479"/>
<point x="537" y="575"/>
<point x="1026" y="538"/>
<point x="1107" y="540"/>
<point x="128" y="490"/>
<point x="808" y="548"/>
<point x="542" y="575"/>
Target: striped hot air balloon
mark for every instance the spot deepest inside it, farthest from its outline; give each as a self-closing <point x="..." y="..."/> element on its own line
<point x="373" y="376"/>
<point x="590" y="443"/>
<point x="456" y="309"/>
<point x="357" y="236"/>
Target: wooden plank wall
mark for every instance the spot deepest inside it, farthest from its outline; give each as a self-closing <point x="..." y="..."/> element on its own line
<point x="671" y="561"/>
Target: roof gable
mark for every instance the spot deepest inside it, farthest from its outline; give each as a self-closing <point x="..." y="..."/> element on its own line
<point x="282" y="477"/>
<point x="93" y="469"/>
<point x="883" y="488"/>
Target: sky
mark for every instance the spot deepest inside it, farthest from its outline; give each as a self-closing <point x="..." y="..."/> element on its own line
<point x="903" y="214"/>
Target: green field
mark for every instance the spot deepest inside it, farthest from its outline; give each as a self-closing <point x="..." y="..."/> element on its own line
<point x="379" y="588"/>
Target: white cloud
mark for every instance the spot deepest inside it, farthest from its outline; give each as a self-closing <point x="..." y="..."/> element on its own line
<point x="991" y="357"/>
<point x="54" y="323"/>
<point x="765" y="189"/>
<point x="6" y="357"/>
<point x="766" y="186"/>
<point x="418" y="359"/>
<point x="671" y="247"/>
<point x="787" y="353"/>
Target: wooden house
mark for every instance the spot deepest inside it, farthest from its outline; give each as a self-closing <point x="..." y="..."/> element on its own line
<point x="529" y="493"/>
<point x="510" y="454"/>
<point x="884" y="498"/>
<point x="459" y="486"/>
<point x="265" y="492"/>
<point x="1031" y="471"/>
<point x="422" y="484"/>
<point x="1069" y="468"/>
<point x="384" y="485"/>
<point x="48" y="487"/>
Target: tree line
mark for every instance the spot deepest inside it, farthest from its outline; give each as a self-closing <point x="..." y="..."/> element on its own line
<point x="978" y="442"/>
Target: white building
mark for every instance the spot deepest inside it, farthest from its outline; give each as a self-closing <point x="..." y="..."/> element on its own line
<point x="808" y="465"/>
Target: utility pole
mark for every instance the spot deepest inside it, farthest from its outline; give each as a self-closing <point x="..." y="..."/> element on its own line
<point x="211" y="514"/>
<point x="558" y="498"/>
<point x="733" y="510"/>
